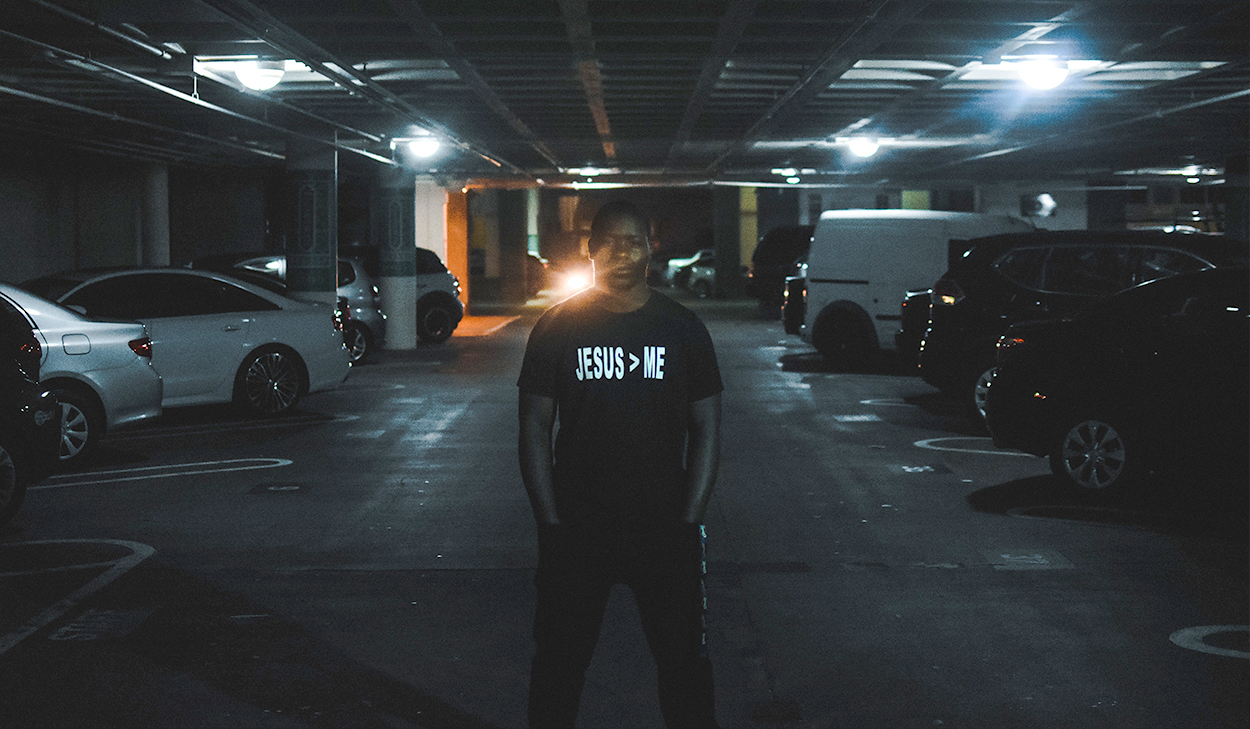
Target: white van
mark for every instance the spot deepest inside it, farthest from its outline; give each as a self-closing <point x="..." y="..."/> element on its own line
<point x="862" y="263"/>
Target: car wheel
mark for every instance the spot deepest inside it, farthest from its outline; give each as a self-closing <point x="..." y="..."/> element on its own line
<point x="270" y="382"/>
<point x="82" y="422"/>
<point x="1095" y="456"/>
<point x="12" y="489"/>
<point x="980" y="391"/>
<point x="434" y="323"/>
<point x="701" y="289"/>
<point x="359" y="342"/>
<point x="841" y="339"/>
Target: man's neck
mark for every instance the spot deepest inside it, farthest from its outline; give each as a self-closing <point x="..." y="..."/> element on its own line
<point x="623" y="302"/>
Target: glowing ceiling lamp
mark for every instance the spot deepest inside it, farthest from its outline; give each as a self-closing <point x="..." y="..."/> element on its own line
<point x="1042" y="73"/>
<point x="863" y="146"/>
<point x="259" y="75"/>
<point x="423" y="146"/>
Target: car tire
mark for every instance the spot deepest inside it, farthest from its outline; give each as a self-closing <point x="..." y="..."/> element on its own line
<point x="980" y="391"/>
<point x="82" y="424"/>
<point x="270" y="381"/>
<point x="1095" y="456"/>
<point x="359" y="341"/>
<point x="701" y="289"/>
<point x="435" y="322"/>
<point x="12" y="488"/>
<point x="840" y="338"/>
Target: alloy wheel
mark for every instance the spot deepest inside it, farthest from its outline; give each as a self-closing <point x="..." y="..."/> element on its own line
<point x="272" y="383"/>
<point x="1092" y="455"/>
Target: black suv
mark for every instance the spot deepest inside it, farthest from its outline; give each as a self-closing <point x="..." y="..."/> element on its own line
<point x="772" y="261"/>
<point x="1154" y="378"/>
<point x="30" y="418"/>
<point x="1004" y="279"/>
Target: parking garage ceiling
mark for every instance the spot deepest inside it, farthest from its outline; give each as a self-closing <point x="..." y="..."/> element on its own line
<point x="640" y="91"/>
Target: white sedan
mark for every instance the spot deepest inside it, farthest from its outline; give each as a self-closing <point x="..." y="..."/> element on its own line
<point x="216" y="338"/>
<point x="101" y="372"/>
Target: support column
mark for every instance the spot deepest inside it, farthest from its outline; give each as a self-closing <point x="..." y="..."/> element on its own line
<point x="458" y="240"/>
<point x="393" y="227"/>
<point x="513" y="244"/>
<point x="312" y="248"/>
<point x="726" y="233"/>
<point x="154" y="219"/>
<point x="748" y="225"/>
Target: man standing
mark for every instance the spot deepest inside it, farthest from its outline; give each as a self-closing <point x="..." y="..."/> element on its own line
<point x="620" y="498"/>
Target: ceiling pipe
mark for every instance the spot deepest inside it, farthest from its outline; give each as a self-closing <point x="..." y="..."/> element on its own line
<point x="112" y="33"/>
<point x="270" y="30"/>
<point x="110" y="116"/>
<point x="99" y="65"/>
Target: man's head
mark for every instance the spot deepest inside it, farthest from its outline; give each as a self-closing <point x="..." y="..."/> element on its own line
<point x="620" y="246"/>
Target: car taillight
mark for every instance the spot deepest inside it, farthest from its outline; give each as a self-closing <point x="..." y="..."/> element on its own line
<point x="946" y="292"/>
<point x="141" y="347"/>
<point x="1005" y="344"/>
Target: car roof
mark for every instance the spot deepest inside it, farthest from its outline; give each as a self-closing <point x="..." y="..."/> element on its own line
<point x="44" y="286"/>
<point x="1215" y="248"/>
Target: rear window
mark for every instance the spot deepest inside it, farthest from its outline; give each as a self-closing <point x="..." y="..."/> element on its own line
<point x="1022" y="266"/>
<point x="1163" y="262"/>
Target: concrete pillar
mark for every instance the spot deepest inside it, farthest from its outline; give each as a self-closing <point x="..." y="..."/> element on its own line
<point x="312" y="245"/>
<point x="513" y="244"/>
<point x="748" y="224"/>
<point x="393" y="227"/>
<point x="727" y="237"/>
<point x="457" y="260"/>
<point x="1237" y="188"/>
<point x="154" y="216"/>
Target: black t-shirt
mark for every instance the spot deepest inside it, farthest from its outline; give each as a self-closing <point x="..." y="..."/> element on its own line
<point x="622" y="384"/>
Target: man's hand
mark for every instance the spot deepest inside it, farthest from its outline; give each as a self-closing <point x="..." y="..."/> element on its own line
<point x="702" y="456"/>
<point x="537" y="418"/>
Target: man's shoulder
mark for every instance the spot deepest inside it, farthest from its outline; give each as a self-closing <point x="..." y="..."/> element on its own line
<point x="669" y="308"/>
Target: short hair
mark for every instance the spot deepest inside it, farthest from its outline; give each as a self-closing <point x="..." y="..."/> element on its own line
<point x="614" y="211"/>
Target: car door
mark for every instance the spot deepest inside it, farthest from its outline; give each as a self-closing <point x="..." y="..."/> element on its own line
<point x="197" y="332"/>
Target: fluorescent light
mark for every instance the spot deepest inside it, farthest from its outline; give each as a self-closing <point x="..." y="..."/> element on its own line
<point x="864" y="146"/>
<point x="792" y="180"/>
<point x="259" y="75"/>
<point x="423" y="146"/>
<point x="1042" y="73"/>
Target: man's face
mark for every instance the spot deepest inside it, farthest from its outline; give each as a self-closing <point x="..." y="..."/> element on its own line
<point x="623" y="254"/>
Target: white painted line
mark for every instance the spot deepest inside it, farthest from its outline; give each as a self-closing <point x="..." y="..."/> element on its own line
<point x="869" y="418"/>
<point x="1192" y="638"/>
<point x="892" y="401"/>
<point x="369" y="434"/>
<point x="229" y="427"/>
<point x="930" y="444"/>
<point x="138" y="553"/>
<point x="167" y="471"/>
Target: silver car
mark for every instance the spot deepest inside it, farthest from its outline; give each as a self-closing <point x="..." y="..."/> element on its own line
<point x="101" y="371"/>
<point x="216" y="338"/>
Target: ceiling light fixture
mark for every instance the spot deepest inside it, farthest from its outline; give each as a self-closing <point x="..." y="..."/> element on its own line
<point x="1042" y="73"/>
<point x="863" y="146"/>
<point x="421" y="144"/>
<point x="259" y="75"/>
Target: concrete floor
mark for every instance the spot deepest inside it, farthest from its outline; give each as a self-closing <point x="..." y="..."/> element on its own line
<point x="368" y="562"/>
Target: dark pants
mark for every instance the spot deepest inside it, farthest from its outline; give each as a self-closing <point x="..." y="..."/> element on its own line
<point x="577" y="567"/>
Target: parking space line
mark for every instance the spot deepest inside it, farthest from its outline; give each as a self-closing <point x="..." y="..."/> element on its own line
<point x="138" y="553"/>
<point x="165" y="471"/>
<point x="173" y="430"/>
<point x="930" y="443"/>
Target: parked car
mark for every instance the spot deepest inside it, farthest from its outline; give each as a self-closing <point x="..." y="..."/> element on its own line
<point x="676" y="269"/>
<point x="862" y="261"/>
<point x="439" y="309"/>
<point x="701" y="276"/>
<point x="536" y="279"/>
<point x="100" y="371"/>
<point x="1006" y="279"/>
<point x="1153" y="378"/>
<point x="771" y="263"/>
<point x="215" y="338"/>
<point x="913" y="321"/>
<point x="30" y="433"/>
<point x="364" y="331"/>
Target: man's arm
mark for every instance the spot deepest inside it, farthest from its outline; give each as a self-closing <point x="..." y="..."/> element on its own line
<point x="702" y="456"/>
<point x="538" y="416"/>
